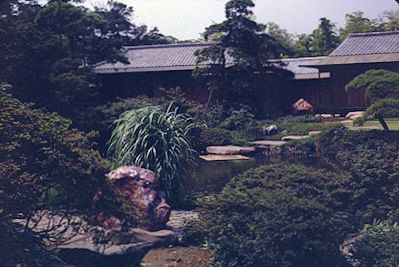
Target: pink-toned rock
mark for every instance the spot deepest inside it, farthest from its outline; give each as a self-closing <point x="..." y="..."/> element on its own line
<point x="302" y="106"/>
<point x="141" y="193"/>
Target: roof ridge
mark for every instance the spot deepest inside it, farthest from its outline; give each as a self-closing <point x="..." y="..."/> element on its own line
<point x="302" y="58"/>
<point x="360" y="34"/>
<point x="168" y="45"/>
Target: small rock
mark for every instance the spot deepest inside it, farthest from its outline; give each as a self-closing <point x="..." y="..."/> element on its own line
<point x="270" y="130"/>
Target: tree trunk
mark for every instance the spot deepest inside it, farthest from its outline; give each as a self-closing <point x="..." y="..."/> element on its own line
<point x="383" y="123"/>
<point x="210" y="96"/>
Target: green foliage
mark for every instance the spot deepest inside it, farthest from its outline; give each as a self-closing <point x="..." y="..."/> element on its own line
<point x="321" y="41"/>
<point x="359" y="121"/>
<point x="282" y="38"/>
<point x="303" y="46"/>
<point x="382" y="88"/>
<point x="47" y="51"/>
<point x="195" y="233"/>
<point x="378" y="84"/>
<point x="357" y="23"/>
<point x="301" y="125"/>
<point x="155" y="139"/>
<point x="378" y="245"/>
<point x="279" y="215"/>
<point x="371" y="159"/>
<point x="211" y="137"/>
<point x="239" y="119"/>
<point x="45" y="165"/>
<point x="248" y="44"/>
<point x="324" y="37"/>
<point x="301" y="118"/>
<point x="387" y="108"/>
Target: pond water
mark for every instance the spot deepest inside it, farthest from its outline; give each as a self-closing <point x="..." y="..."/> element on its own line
<point x="210" y="176"/>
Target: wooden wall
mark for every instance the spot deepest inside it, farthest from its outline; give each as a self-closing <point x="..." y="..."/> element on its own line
<point x="329" y="95"/>
<point x="326" y="95"/>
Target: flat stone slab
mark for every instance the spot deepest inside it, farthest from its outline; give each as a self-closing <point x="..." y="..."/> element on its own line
<point x="230" y="150"/>
<point x="313" y="133"/>
<point x="223" y="157"/>
<point x="294" y="137"/>
<point x="268" y="143"/>
<point x="354" y="114"/>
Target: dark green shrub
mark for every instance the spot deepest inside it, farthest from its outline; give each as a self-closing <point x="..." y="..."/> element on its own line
<point x="277" y="216"/>
<point x="195" y="233"/>
<point x="212" y="116"/>
<point x="372" y="160"/>
<point x="238" y="120"/>
<point x="378" y="245"/>
<point x="203" y="137"/>
<point x="301" y="118"/>
<point x="359" y="121"/>
<point x="44" y="165"/>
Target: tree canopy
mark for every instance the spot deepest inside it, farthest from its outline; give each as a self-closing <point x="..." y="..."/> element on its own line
<point x="249" y="46"/>
<point x="382" y="89"/>
<point x="47" y="51"/>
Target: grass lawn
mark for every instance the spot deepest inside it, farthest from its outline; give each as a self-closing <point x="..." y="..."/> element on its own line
<point x="393" y="124"/>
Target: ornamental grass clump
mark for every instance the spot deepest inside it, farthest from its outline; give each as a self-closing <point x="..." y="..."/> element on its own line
<point x="155" y="139"/>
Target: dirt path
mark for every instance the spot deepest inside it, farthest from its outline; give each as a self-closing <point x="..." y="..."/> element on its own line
<point x="177" y="257"/>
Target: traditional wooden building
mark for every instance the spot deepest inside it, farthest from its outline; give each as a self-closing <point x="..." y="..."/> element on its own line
<point x="319" y="80"/>
<point x="357" y="54"/>
<point x="153" y="67"/>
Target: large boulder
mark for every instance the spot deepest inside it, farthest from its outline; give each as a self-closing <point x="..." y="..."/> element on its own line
<point x="142" y="195"/>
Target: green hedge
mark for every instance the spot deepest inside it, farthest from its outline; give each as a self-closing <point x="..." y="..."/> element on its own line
<point x="279" y="215"/>
<point x="372" y="160"/>
<point x="378" y="245"/>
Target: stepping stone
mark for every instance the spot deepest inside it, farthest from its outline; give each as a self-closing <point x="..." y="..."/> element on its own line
<point x="223" y="157"/>
<point x="268" y="143"/>
<point x="354" y="114"/>
<point x="230" y="150"/>
<point x="294" y="137"/>
<point x="313" y="133"/>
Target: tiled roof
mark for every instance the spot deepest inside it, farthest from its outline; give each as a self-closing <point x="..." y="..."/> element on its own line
<point x="295" y="65"/>
<point x="373" y="47"/>
<point x="164" y="57"/>
<point x="172" y="57"/>
<point x="369" y="44"/>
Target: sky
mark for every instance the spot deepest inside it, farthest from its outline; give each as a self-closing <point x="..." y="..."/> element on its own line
<point x="186" y="19"/>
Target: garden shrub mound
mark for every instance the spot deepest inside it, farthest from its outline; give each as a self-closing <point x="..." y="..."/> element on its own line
<point x="44" y="165"/>
<point x="377" y="245"/>
<point x="372" y="160"/>
<point x="279" y="215"/>
<point x="203" y="137"/>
